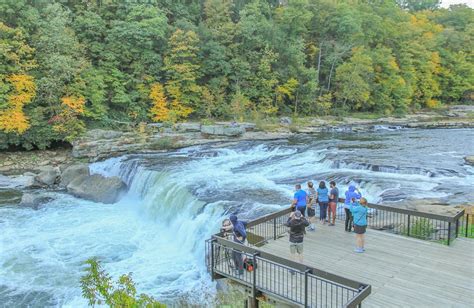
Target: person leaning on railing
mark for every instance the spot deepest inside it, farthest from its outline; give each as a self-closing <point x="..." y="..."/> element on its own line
<point x="351" y="193"/>
<point x="240" y="235"/>
<point x="359" y="212"/>
<point x="299" y="200"/>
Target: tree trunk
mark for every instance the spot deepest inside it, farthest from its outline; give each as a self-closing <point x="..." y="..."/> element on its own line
<point x="319" y="59"/>
<point x="330" y="74"/>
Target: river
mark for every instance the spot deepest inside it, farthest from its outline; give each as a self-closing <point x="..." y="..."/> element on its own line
<point x="176" y="200"/>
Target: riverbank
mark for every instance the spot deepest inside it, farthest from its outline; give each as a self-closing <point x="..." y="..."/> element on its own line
<point x="99" y="144"/>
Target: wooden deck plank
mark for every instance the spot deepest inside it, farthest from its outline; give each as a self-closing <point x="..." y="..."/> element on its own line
<point x="402" y="271"/>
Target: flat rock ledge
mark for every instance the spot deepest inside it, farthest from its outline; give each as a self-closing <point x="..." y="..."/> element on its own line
<point x="99" y="144"/>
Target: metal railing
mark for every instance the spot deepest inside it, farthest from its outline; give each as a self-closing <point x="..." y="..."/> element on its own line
<point x="466" y="226"/>
<point x="307" y="286"/>
<point x="426" y="226"/>
<point x="281" y="278"/>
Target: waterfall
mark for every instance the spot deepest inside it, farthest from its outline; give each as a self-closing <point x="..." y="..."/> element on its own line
<point x="176" y="200"/>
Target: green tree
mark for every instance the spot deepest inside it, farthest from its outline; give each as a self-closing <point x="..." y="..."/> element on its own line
<point x="99" y="289"/>
<point x="419" y="5"/>
<point x="353" y="79"/>
<point x="182" y="72"/>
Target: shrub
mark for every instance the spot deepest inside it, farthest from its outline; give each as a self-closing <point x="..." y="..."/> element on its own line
<point x="420" y="228"/>
<point x="98" y="288"/>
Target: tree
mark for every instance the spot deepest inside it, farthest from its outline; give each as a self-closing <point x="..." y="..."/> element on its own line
<point x="353" y="79"/>
<point x="12" y="118"/>
<point x="67" y="122"/>
<point x="182" y="72"/>
<point x="159" y="110"/>
<point x="17" y="86"/>
<point x="99" y="289"/>
<point x="286" y="91"/>
<point x="419" y="5"/>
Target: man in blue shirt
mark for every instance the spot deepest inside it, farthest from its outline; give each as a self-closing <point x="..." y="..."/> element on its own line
<point x="299" y="200"/>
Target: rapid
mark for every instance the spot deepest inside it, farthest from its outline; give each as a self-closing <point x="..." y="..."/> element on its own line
<point x="176" y="200"/>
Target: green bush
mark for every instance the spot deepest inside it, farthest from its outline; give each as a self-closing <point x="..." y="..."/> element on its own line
<point x="420" y="228"/>
<point x="99" y="289"/>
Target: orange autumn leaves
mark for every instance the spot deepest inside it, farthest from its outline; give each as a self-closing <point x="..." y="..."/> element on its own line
<point x="161" y="110"/>
<point x="12" y="117"/>
<point x="67" y="121"/>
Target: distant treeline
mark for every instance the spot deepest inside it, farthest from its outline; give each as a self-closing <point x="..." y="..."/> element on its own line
<point x="71" y="64"/>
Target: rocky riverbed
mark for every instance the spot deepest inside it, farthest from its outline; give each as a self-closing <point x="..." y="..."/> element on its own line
<point x="61" y="168"/>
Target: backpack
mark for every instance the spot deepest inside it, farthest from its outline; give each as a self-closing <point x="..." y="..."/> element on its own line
<point x="248" y="265"/>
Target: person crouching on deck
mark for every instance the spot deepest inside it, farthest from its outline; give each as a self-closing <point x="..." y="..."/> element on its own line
<point x="359" y="213"/>
<point x="297" y="224"/>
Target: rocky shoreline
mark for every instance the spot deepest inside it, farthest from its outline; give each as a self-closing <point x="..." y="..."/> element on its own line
<point x="52" y="168"/>
<point x="98" y="144"/>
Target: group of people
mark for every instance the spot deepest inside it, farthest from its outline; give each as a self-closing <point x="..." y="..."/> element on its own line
<point x="323" y="197"/>
<point x="305" y="204"/>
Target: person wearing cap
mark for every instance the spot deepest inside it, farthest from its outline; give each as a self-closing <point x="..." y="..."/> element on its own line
<point x="297" y="224"/>
<point x="240" y="235"/>
<point x="352" y="193"/>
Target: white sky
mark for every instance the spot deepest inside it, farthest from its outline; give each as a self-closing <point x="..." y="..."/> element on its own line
<point x="447" y="3"/>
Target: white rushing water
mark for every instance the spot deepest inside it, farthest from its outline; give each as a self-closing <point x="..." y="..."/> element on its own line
<point x="177" y="200"/>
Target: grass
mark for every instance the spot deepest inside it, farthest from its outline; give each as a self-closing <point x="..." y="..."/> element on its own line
<point x="470" y="114"/>
<point x="366" y="115"/>
<point x="470" y="230"/>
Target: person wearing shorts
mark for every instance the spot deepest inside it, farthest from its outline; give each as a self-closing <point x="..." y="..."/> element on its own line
<point x="297" y="224"/>
<point x="311" y="206"/>
<point x="359" y="213"/>
<point x="333" y="198"/>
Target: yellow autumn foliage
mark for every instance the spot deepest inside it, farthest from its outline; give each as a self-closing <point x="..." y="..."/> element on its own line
<point x="159" y="110"/>
<point x="12" y="118"/>
<point x="74" y="103"/>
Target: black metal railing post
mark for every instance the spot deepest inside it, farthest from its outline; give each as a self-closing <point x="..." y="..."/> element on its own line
<point x="449" y="232"/>
<point x="254" y="281"/>
<point x="408" y="228"/>
<point x="306" y="287"/>
<point x="457" y="228"/>
<point x="274" y="229"/>
<point x="467" y="224"/>
<point x="211" y="242"/>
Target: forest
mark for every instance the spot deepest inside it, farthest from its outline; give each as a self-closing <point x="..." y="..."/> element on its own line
<point x="70" y="65"/>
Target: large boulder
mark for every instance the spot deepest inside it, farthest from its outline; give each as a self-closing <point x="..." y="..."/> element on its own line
<point x="97" y="188"/>
<point x="48" y="176"/>
<point x="34" y="200"/>
<point x="222" y="130"/>
<point x="73" y="172"/>
<point x="469" y="160"/>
